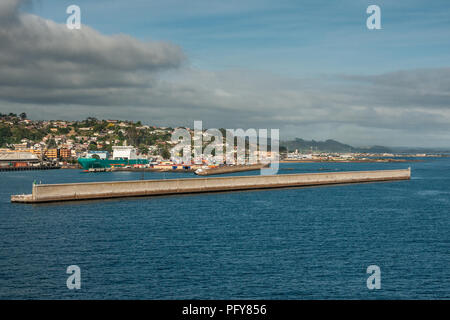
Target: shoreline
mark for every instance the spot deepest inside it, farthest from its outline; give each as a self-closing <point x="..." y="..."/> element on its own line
<point x="192" y="170"/>
<point x="353" y="161"/>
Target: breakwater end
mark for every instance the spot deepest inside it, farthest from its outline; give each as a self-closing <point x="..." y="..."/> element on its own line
<point x="117" y="189"/>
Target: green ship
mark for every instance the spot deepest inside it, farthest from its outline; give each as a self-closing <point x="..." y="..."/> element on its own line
<point x="122" y="156"/>
<point x="88" y="163"/>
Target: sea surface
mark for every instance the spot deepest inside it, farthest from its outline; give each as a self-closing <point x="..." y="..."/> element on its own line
<point x="304" y="243"/>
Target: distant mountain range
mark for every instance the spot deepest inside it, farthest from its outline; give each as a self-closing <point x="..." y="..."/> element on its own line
<point x="336" y="146"/>
<point x="328" y="146"/>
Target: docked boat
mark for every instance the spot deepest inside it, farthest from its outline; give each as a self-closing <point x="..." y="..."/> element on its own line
<point x="206" y="171"/>
<point x="123" y="156"/>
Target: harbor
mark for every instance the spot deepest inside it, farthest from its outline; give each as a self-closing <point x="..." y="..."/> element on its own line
<point x="225" y="159"/>
<point x="119" y="189"/>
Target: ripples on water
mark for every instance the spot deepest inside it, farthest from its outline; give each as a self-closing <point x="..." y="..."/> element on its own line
<point x="306" y="243"/>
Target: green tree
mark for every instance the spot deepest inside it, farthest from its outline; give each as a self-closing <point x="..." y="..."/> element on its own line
<point x="63" y="131"/>
<point x="107" y="148"/>
<point x="92" y="146"/>
<point x="165" y="153"/>
<point x="133" y="136"/>
<point x="5" y="135"/>
<point x="99" y="126"/>
<point x="143" y="149"/>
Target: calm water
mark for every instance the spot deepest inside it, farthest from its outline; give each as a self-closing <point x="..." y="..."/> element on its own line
<point x="310" y="243"/>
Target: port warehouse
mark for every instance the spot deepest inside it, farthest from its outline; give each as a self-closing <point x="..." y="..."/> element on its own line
<point x="99" y="190"/>
<point x="27" y="159"/>
<point x="18" y="159"/>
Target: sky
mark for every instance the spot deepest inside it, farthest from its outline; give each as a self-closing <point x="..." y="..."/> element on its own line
<point x="309" y="68"/>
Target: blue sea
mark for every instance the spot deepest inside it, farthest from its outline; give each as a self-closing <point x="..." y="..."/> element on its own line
<point x="303" y="243"/>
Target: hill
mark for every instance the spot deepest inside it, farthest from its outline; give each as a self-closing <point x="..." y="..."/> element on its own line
<point x="328" y="146"/>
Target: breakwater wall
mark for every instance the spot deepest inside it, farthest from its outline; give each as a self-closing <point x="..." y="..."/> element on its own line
<point x="99" y="190"/>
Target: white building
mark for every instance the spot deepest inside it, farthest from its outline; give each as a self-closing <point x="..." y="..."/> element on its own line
<point x="124" y="152"/>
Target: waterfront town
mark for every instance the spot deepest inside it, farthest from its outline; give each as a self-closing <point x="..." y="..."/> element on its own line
<point x="65" y="141"/>
<point x="57" y="143"/>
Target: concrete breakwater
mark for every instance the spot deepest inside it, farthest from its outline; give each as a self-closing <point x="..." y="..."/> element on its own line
<point x="116" y="189"/>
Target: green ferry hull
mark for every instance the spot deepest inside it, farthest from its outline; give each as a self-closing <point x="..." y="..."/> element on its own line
<point x="88" y="163"/>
